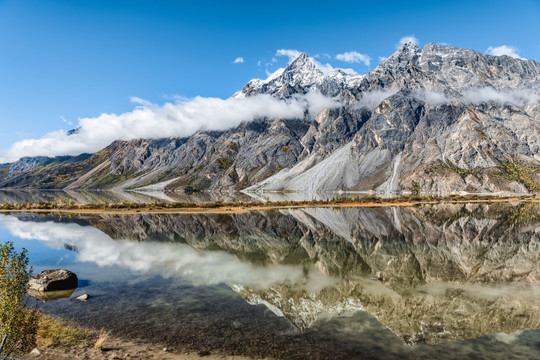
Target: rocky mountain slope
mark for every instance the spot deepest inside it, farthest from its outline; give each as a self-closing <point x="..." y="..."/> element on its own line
<point x="436" y="120"/>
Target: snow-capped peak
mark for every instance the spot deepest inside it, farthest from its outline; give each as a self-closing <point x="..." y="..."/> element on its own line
<point x="274" y="75"/>
<point x="304" y="74"/>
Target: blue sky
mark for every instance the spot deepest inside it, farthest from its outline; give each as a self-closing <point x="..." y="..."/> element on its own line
<point x="65" y="60"/>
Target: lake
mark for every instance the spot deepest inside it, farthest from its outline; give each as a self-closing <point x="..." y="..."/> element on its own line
<point x="448" y="281"/>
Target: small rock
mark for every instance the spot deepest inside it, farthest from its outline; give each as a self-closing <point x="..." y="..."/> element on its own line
<point x="83" y="297"/>
<point x="35" y="352"/>
<point x="165" y="349"/>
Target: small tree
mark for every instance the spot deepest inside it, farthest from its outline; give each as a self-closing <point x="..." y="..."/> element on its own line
<point x="18" y="322"/>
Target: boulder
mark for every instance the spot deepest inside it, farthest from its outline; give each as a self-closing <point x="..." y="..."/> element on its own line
<point x="53" y="280"/>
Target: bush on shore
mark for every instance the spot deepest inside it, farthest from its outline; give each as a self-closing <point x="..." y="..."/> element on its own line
<point x="18" y="321"/>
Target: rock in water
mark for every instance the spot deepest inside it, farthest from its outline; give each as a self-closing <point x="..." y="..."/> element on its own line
<point x="53" y="280"/>
<point x="83" y="297"/>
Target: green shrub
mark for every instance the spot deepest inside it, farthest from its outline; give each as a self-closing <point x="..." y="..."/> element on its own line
<point x="515" y="171"/>
<point x="18" y="321"/>
<point x="224" y="163"/>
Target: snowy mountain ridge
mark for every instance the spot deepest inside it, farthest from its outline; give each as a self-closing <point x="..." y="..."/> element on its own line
<point x="304" y="74"/>
<point x="436" y="120"/>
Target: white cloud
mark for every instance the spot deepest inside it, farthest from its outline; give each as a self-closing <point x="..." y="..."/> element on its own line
<point x="238" y="60"/>
<point x="354" y="57"/>
<point x="139" y="101"/>
<point x="407" y="39"/>
<point x="290" y="53"/>
<point x="372" y="99"/>
<point x="382" y="58"/>
<point x="268" y="67"/>
<point x="65" y="120"/>
<point x="178" y="119"/>
<point x="316" y="102"/>
<point x="519" y="97"/>
<point x="324" y="55"/>
<point x="326" y="68"/>
<point x="432" y="97"/>
<point x="504" y="50"/>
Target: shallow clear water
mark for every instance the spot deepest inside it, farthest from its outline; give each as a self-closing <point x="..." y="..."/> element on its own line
<point x="445" y="281"/>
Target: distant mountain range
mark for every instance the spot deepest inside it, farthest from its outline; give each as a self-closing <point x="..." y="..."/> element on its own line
<point x="437" y="120"/>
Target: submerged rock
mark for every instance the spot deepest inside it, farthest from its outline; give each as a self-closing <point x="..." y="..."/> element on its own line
<point x="53" y="280"/>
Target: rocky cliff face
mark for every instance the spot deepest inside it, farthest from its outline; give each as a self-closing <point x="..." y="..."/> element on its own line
<point x="437" y="120"/>
<point x="449" y="122"/>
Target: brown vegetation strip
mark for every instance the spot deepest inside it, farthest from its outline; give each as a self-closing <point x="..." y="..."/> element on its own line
<point x="221" y="206"/>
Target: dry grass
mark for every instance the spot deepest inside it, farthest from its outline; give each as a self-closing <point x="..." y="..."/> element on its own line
<point x="103" y="336"/>
<point x="56" y="333"/>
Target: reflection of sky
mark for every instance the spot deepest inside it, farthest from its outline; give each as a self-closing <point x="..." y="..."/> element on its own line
<point x="39" y="253"/>
<point x="166" y="259"/>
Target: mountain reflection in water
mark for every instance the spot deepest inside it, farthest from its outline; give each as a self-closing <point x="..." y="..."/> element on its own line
<point x="432" y="274"/>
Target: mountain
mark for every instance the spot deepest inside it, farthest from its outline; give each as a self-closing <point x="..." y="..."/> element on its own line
<point x="436" y="120"/>
<point x="300" y="77"/>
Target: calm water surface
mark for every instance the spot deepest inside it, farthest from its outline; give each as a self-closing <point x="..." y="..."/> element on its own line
<point x="445" y="281"/>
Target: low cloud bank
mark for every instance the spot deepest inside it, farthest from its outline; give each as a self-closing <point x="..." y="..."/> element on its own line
<point x="432" y="97"/>
<point x="185" y="117"/>
<point x="372" y="99"/>
<point x="518" y="97"/>
<point x="179" y="119"/>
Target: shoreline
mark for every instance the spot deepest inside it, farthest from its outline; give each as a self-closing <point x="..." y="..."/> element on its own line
<point x="61" y="339"/>
<point x="122" y="349"/>
<point x="221" y="207"/>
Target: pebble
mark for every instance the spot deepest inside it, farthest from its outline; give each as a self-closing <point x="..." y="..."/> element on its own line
<point x="83" y="297"/>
